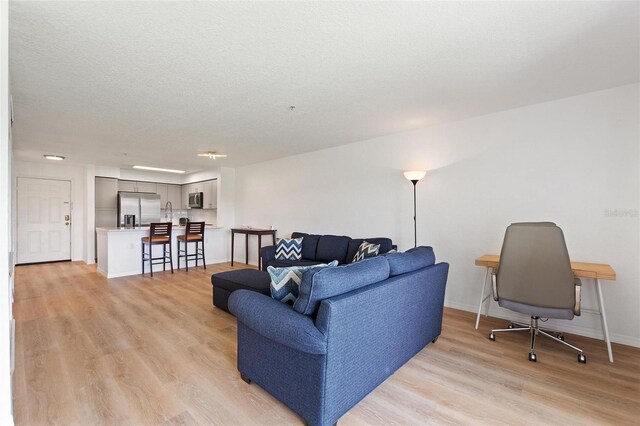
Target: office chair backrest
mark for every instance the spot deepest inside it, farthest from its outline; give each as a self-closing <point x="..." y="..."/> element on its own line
<point x="534" y="266"/>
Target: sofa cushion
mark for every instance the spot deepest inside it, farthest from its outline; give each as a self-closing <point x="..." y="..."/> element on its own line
<point x="322" y="283"/>
<point x="411" y="260"/>
<point x="365" y="251"/>
<point x="289" y="249"/>
<point x="385" y="245"/>
<point x="332" y="247"/>
<point x="285" y="263"/>
<point x="309" y="244"/>
<point x="285" y="281"/>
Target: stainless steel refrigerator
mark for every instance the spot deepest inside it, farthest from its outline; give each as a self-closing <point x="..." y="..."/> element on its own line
<point x="146" y="207"/>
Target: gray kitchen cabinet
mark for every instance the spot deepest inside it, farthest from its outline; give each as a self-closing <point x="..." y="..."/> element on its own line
<point x="150" y="187"/>
<point x="161" y="190"/>
<point x="210" y="194"/>
<point x="174" y="194"/>
<point x="133" y="186"/>
<point x="185" y="196"/>
<point x="106" y="193"/>
<point x="126" y="185"/>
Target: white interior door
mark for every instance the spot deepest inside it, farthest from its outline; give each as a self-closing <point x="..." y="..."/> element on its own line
<point x="44" y="220"/>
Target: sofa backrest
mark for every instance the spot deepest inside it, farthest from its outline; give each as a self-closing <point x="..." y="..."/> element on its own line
<point x="309" y="244"/>
<point x="332" y="247"/>
<point x="385" y="245"/>
<point x="411" y="260"/>
<point x="317" y="285"/>
<point x="326" y="248"/>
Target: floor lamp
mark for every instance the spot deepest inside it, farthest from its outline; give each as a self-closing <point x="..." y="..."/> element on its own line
<point x="414" y="177"/>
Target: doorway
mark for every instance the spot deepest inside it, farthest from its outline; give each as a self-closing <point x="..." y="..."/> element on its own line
<point x="44" y="220"/>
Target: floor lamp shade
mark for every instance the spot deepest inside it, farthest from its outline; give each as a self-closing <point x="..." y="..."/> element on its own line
<point x="414" y="176"/>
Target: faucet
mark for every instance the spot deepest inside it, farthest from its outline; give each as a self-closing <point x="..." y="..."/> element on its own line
<point x="168" y="211"/>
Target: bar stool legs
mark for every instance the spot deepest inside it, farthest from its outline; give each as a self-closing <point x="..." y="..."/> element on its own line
<point x="183" y="252"/>
<point x="167" y="257"/>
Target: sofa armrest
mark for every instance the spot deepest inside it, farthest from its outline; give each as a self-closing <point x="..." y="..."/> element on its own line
<point x="267" y="253"/>
<point x="277" y="321"/>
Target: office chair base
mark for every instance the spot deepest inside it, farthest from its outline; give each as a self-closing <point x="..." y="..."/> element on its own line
<point x="534" y="330"/>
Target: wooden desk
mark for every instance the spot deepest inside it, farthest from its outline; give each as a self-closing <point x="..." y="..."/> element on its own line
<point x="251" y="231"/>
<point x="595" y="271"/>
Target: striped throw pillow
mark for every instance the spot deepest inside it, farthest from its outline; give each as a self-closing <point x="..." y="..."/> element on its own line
<point x="289" y="249"/>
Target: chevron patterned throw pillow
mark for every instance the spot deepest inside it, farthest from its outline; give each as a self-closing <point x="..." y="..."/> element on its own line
<point x="289" y="249"/>
<point x="285" y="282"/>
<point x="366" y="250"/>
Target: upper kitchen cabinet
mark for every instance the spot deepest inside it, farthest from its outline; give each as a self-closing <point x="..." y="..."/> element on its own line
<point x="210" y="194"/>
<point x="126" y="185"/>
<point x="132" y="186"/>
<point x="185" y="196"/>
<point x="150" y="187"/>
<point x="106" y="193"/>
<point x="161" y="190"/>
<point x="174" y="194"/>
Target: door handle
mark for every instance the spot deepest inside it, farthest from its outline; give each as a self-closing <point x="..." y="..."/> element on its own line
<point x="66" y="217"/>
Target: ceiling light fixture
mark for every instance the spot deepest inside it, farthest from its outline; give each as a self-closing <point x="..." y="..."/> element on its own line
<point x="54" y="157"/>
<point x="212" y="155"/>
<point x="158" y="169"/>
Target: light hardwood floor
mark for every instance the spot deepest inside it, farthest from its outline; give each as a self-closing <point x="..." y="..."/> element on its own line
<point x="141" y="350"/>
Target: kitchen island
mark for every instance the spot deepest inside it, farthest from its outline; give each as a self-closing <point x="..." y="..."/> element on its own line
<point x="120" y="249"/>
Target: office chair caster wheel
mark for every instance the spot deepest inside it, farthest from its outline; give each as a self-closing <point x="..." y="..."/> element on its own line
<point x="582" y="359"/>
<point x="533" y="357"/>
<point x="492" y="337"/>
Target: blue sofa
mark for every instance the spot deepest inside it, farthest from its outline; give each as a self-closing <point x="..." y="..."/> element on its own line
<point x="361" y="322"/>
<point x="322" y="249"/>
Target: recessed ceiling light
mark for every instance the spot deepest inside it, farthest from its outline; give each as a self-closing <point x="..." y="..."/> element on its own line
<point x="212" y="154"/>
<point x="54" y="157"/>
<point x="158" y="169"/>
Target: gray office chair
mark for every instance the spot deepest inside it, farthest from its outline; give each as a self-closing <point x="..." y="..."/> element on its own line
<point x="535" y="278"/>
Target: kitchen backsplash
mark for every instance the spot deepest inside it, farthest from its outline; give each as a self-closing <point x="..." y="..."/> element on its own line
<point x="209" y="216"/>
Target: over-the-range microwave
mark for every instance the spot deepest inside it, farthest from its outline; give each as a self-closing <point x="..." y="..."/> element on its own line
<point x="195" y="200"/>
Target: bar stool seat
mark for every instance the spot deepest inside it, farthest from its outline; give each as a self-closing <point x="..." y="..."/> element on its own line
<point x="190" y="237"/>
<point x="193" y="233"/>
<point x="159" y="234"/>
<point x="156" y="240"/>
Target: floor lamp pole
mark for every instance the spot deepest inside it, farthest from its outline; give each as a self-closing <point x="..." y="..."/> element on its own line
<point x="415" y="224"/>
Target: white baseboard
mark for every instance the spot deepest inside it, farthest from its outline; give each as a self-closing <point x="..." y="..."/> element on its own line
<point x="555" y="325"/>
<point x="137" y="272"/>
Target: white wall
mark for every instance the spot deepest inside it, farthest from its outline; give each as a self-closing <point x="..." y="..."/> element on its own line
<point x="5" y="225"/>
<point x="573" y="161"/>
<point x="77" y="176"/>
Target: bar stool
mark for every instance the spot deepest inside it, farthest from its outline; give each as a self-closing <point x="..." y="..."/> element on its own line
<point x="159" y="234"/>
<point x="193" y="233"/>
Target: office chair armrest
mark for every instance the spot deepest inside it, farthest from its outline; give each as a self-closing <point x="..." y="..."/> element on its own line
<point x="578" y="290"/>
<point x="494" y="285"/>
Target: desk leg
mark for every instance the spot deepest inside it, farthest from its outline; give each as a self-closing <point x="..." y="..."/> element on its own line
<point x="603" y="315"/>
<point x="232" y="238"/>
<point x="259" y="246"/>
<point x="246" y="248"/>
<point x="482" y="296"/>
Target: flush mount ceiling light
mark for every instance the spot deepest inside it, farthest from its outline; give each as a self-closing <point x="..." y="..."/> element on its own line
<point x="158" y="169"/>
<point x="212" y="155"/>
<point x="54" y="157"/>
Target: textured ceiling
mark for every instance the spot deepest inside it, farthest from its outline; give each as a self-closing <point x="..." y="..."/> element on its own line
<point x="161" y="81"/>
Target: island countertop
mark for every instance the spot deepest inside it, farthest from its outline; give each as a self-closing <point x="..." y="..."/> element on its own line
<point x="146" y="228"/>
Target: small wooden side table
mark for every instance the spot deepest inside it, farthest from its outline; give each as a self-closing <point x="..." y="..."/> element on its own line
<point x="251" y="231"/>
